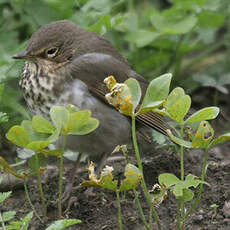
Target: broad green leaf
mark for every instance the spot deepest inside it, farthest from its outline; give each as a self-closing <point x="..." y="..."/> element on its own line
<point x="179" y="141"/>
<point x="102" y="25"/>
<point x="219" y="140"/>
<point x="157" y="91"/>
<point x="172" y="22"/>
<point x="4" y="195"/>
<point x="89" y="127"/>
<point x="192" y="181"/>
<point x="33" y="134"/>
<point x="135" y="91"/>
<point x="187" y="194"/>
<point x="133" y="178"/>
<point x="168" y="179"/>
<point x="38" y="145"/>
<point x="52" y="138"/>
<point x="77" y="120"/>
<point x="142" y="37"/>
<point x="63" y="224"/>
<point x="205" y="22"/>
<point x="55" y="152"/>
<point x="72" y="108"/>
<point x="36" y="162"/>
<point x="7" y="216"/>
<point x="18" y="136"/>
<point x="177" y="104"/>
<point x="42" y="125"/>
<point x="59" y="116"/>
<point x="203" y="114"/>
<point x="203" y="136"/>
<point x="178" y="190"/>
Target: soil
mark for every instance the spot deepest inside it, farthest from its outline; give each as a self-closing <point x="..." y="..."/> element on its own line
<point x="99" y="210"/>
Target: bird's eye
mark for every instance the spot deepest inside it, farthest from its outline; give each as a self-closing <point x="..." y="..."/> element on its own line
<point x="51" y="52"/>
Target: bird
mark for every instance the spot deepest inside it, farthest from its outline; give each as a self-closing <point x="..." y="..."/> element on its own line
<point x="66" y="64"/>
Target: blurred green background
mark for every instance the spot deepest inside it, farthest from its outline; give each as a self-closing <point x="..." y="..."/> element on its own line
<point x="189" y="38"/>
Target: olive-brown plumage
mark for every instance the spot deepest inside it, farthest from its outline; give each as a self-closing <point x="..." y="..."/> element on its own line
<point x="65" y="64"/>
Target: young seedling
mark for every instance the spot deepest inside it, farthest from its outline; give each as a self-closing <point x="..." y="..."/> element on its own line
<point x="39" y="133"/>
<point x="106" y="180"/>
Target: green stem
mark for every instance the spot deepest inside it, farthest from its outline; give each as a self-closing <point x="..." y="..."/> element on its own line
<point x="119" y="210"/>
<point x="140" y="210"/>
<point x="2" y="222"/>
<point x="60" y="189"/>
<point x="152" y="209"/>
<point x="29" y="201"/>
<point x="41" y="190"/>
<point x="182" y="204"/>
<point x="201" y="185"/>
<point x="178" y="215"/>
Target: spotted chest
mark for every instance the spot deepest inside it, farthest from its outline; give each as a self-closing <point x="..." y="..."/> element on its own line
<point x="39" y="90"/>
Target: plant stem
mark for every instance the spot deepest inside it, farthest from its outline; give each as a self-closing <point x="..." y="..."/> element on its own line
<point x="140" y="210"/>
<point x="41" y="190"/>
<point x="182" y="204"/>
<point x="119" y="210"/>
<point x="152" y="209"/>
<point x="29" y="201"/>
<point x="61" y="178"/>
<point x="201" y="185"/>
<point x="2" y="222"/>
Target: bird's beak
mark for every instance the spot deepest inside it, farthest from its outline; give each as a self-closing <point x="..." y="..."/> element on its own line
<point x="22" y="55"/>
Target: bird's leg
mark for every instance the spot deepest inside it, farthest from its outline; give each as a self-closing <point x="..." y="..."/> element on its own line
<point x="69" y="187"/>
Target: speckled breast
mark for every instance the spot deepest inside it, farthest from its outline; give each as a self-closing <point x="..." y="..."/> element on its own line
<point x="37" y="89"/>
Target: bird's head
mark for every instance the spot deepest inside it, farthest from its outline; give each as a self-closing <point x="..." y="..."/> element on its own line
<point x="56" y="42"/>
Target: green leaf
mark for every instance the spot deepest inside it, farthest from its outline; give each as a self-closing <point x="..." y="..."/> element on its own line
<point x="18" y="136"/>
<point x="59" y="116"/>
<point x="89" y="127"/>
<point x="205" y="22"/>
<point x="168" y="179"/>
<point x="42" y="125"/>
<point x="102" y="25"/>
<point x="63" y="224"/>
<point x="177" y="104"/>
<point x="38" y="145"/>
<point x="219" y="140"/>
<point x="77" y="120"/>
<point x="172" y="22"/>
<point x="187" y="194"/>
<point x="133" y="178"/>
<point x="33" y="134"/>
<point x="135" y="90"/>
<point x="179" y="141"/>
<point x="157" y="91"/>
<point x="6" y="216"/>
<point x="142" y="37"/>
<point x="36" y="162"/>
<point x="203" y="114"/>
<point x="4" y="195"/>
<point x="72" y="108"/>
<point x="203" y="136"/>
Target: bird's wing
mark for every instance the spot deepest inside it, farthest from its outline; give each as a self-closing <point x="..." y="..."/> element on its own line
<point x="93" y="68"/>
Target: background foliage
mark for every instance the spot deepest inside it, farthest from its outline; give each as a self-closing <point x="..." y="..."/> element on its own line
<point x="188" y="38"/>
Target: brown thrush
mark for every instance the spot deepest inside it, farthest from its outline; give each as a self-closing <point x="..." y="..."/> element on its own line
<point x="65" y="64"/>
